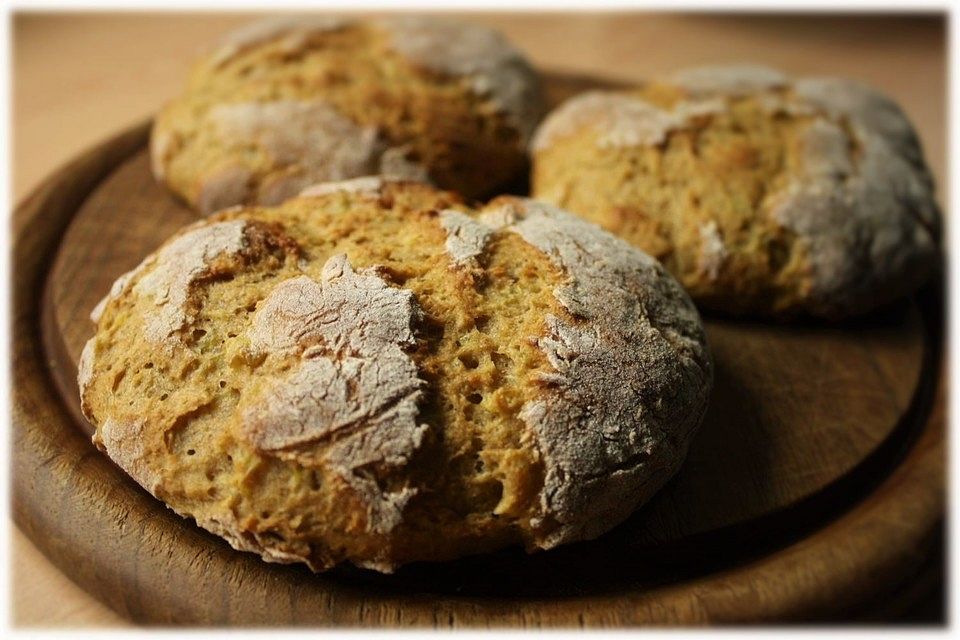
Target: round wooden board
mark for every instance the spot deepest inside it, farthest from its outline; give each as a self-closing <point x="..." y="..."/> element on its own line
<point x="814" y="489"/>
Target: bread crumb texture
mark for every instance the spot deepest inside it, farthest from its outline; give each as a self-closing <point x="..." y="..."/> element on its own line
<point x="376" y="373"/>
<point x="761" y="194"/>
<point x="289" y="102"/>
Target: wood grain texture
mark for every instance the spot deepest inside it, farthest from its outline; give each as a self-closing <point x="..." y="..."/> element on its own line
<point x="794" y="407"/>
<point x="36" y="579"/>
<point x="102" y="55"/>
<point x="776" y="516"/>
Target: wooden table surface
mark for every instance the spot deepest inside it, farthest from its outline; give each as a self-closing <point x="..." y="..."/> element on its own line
<point x="78" y="78"/>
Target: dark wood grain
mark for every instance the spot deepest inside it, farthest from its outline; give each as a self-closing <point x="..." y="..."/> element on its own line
<point x="814" y="490"/>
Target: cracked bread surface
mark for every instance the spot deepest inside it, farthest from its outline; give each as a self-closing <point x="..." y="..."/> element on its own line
<point x="289" y="102"/>
<point x="762" y="194"/>
<point x="377" y="373"/>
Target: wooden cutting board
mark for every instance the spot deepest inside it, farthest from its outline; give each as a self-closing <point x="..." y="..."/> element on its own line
<point x="814" y="490"/>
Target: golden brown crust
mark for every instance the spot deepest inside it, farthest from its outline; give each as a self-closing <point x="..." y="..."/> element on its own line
<point x="293" y="102"/>
<point x="376" y="373"/>
<point x="761" y="194"/>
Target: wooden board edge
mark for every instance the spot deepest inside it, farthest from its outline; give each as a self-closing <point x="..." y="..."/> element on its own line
<point x="82" y="513"/>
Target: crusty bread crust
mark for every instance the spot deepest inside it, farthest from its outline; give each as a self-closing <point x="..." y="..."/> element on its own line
<point x="376" y="373"/>
<point x="762" y="194"/>
<point x="294" y="101"/>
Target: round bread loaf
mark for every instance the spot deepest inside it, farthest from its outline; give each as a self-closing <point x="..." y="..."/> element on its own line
<point x="375" y="373"/>
<point x="762" y="195"/>
<point x="289" y="102"/>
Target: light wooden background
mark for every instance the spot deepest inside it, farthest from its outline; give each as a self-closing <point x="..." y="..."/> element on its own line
<point x="78" y="78"/>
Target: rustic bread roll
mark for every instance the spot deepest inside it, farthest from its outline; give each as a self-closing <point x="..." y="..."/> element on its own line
<point x="376" y="373"/>
<point x="760" y="194"/>
<point x="289" y="102"/>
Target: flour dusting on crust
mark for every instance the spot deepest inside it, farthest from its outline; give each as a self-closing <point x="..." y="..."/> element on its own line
<point x="620" y="120"/>
<point x="859" y="200"/>
<point x="124" y="441"/>
<point x="243" y="539"/>
<point x="466" y="237"/>
<point x="291" y="407"/>
<point x="176" y="267"/>
<point x="119" y="286"/>
<point x="493" y="66"/>
<point x="312" y="137"/>
<point x="307" y="142"/>
<point x="863" y="205"/>
<point x="727" y="80"/>
<point x="713" y="252"/>
<point x="85" y="373"/>
<point x="353" y="387"/>
<point x="367" y="186"/>
<point x="292" y="30"/>
<point x="395" y="163"/>
<point x="632" y="374"/>
<point x="161" y="144"/>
